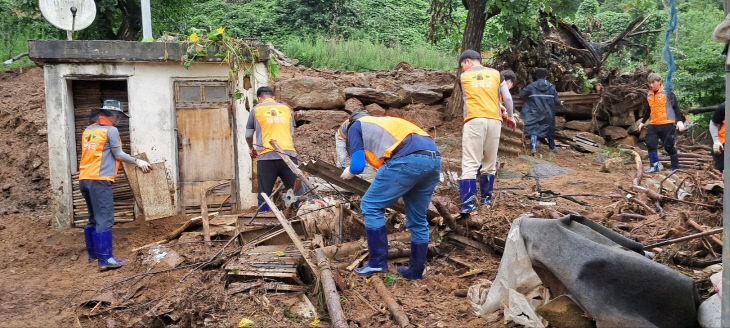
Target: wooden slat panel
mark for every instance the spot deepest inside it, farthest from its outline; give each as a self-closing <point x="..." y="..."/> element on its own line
<point x="155" y="193"/>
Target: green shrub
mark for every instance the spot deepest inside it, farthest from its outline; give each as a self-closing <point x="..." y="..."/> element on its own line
<point x="363" y="55"/>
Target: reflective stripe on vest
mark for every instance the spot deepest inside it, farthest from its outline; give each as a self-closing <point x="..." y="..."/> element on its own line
<point x="342" y="131"/>
<point x="480" y="87"/>
<point x="382" y="135"/>
<point x="661" y="111"/>
<point x="97" y="161"/>
<point x="273" y="122"/>
<point x="721" y="132"/>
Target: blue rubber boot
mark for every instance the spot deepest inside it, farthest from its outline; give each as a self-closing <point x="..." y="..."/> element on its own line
<point x="378" y="249"/>
<point x="89" y="238"/>
<point x="533" y="144"/>
<point x="468" y="192"/>
<point x="264" y="207"/>
<point x="675" y="162"/>
<point x="486" y="184"/>
<point x="417" y="262"/>
<point x="653" y="163"/>
<point x="103" y="246"/>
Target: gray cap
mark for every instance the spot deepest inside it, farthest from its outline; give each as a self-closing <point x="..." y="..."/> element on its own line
<point x="469" y="54"/>
<point x="112" y="105"/>
<point x="358" y="114"/>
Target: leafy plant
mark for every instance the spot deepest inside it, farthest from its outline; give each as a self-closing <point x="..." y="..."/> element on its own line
<point x="391" y="278"/>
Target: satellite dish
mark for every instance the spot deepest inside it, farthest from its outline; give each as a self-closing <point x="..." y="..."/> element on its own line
<point x="69" y="15"/>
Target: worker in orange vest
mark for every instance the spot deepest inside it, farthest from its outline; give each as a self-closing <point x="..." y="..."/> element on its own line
<point x="271" y="120"/>
<point x="717" y="131"/>
<point x="409" y="166"/>
<point x="101" y="151"/>
<point x="482" y="89"/>
<point x="664" y="117"/>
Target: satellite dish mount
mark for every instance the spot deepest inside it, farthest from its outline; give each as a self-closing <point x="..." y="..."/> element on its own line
<point x="56" y="12"/>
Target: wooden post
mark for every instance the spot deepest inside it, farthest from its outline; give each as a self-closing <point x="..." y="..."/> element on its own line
<point x="330" y="292"/>
<point x="204" y="215"/>
<point x="293" y="167"/>
<point x="292" y="234"/>
<point x="400" y="317"/>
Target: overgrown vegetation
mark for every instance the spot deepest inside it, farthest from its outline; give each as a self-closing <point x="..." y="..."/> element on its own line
<point x="321" y="52"/>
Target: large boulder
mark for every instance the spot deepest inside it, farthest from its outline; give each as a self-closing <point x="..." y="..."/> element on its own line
<point x="375" y="110"/>
<point x="624" y="119"/>
<point x="630" y="141"/>
<point x="380" y="97"/>
<point x="420" y="94"/>
<point x="614" y="132"/>
<point x="353" y="104"/>
<point x="579" y="125"/>
<point x="309" y="92"/>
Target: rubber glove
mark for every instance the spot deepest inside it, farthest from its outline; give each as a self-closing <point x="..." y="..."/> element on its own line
<point x="346" y="174"/>
<point x="143" y="165"/>
<point x="510" y="123"/>
<point x="680" y="127"/>
<point x="641" y="127"/>
<point x="718" y="147"/>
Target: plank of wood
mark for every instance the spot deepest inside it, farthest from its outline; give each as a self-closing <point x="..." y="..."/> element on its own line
<point x="292" y="234"/>
<point x="303" y="178"/>
<point x="155" y="193"/>
<point x="131" y="171"/>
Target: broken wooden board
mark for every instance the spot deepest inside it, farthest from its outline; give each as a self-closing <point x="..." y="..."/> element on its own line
<point x="274" y="262"/>
<point x="214" y="231"/>
<point x="274" y="286"/>
<point x="130" y="170"/>
<point x="155" y="193"/>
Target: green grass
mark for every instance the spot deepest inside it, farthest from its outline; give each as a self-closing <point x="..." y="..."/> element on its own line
<point x="363" y="55"/>
<point x="24" y="62"/>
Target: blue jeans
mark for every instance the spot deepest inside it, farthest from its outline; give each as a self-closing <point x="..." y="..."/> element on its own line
<point x="413" y="177"/>
<point x="100" y="202"/>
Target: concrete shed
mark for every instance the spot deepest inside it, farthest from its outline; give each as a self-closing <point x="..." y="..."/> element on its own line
<point x="186" y="118"/>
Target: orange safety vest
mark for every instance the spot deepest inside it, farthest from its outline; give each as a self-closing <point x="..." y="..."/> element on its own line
<point x="97" y="161"/>
<point x="480" y="86"/>
<point x="661" y="111"/>
<point x="721" y="132"/>
<point x="273" y="122"/>
<point x="382" y="135"/>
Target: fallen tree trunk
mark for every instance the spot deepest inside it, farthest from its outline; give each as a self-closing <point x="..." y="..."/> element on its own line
<point x="332" y="298"/>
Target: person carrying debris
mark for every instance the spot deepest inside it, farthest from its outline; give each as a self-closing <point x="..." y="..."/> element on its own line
<point x="482" y="89"/>
<point x="717" y="131"/>
<point x="101" y="151"/>
<point x="664" y="117"/>
<point x="540" y="96"/>
<point x="506" y="105"/>
<point x="268" y="121"/>
<point x="409" y="166"/>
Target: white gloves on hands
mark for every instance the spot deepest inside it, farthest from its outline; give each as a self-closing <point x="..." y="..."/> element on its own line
<point x="717" y="147"/>
<point x="681" y="127"/>
<point x="143" y="165"/>
<point x="641" y="127"/>
<point x="346" y="174"/>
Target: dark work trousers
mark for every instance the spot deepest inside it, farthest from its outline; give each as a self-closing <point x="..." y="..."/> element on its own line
<point x="663" y="132"/>
<point x="100" y="202"/>
<point x="718" y="159"/>
<point x="268" y="170"/>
